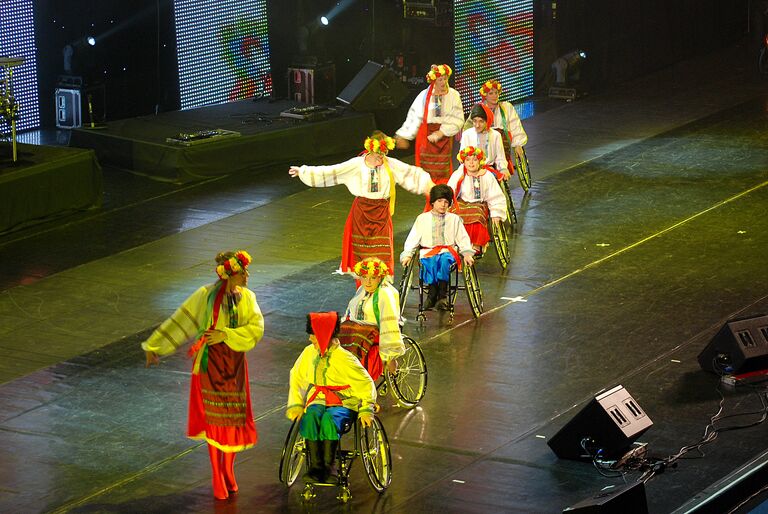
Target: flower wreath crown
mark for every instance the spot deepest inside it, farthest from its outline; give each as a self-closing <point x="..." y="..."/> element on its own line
<point x="371" y="268"/>
<point x="471" y="150"/>
<point x="234" y="265"/>
<point x="438" y="71"/>
<point x="491" y="84"/>
<point x="379" y="145"/>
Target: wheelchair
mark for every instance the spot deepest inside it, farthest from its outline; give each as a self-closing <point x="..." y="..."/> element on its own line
<point x="523" y="171"/>
<point x="471" y="286"/>
<point x="500" y="237"/>
<point x="521" y="166"/>
<point x="409" y="382"/>
<point x="370" y="444"/>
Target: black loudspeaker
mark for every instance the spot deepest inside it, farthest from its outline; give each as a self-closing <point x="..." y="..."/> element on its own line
<point x="605" y="427"/>
<point x="627" y="499"/>
<point x="373" y="88"/>
<point x="739" y="347"/>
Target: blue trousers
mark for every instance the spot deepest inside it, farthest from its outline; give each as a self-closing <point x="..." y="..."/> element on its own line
<point x="436" y="268"/>
<point x="321" y="423"/>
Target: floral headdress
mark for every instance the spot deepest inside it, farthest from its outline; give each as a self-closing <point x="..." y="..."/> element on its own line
<point x="234" y="265"/>
<point x="380" y="145"/>
<point x="371" y="267"/>
<point x="491" y="84"/>
<point x="438" y="70"/>
<point x="471" y="150"/>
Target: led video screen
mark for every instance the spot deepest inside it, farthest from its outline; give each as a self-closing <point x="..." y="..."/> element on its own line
<point x="494" y="40"/>
<point x="17" y="39"/>
<point x="223" y="50"/>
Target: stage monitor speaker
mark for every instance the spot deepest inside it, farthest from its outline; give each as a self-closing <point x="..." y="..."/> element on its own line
<point x="373" y="88"/>
<point x="627" y="499"/>
<point x="606" y="426"/>
<point x="740" y="346"/>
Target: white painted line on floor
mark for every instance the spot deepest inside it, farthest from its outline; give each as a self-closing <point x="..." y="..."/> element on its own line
<point x="515" y="299"/>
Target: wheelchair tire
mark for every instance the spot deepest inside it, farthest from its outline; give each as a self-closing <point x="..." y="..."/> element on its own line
<point x="293" y="456"/>
<point x="409" y="382"/>
<point x="500" y="236"/>
<point x="523" y="171"/>
<point x="377" y="459"/>
<point x="474" y="294"/>
<point x="405" y="282"/>
<point x="511" y="212"/>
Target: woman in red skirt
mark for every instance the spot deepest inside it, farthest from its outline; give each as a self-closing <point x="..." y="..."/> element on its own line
<point x="371" y="178"/>
<point x="226" y="322"/>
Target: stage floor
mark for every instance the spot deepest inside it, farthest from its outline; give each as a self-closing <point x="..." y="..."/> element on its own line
<point x="644" y="232"/>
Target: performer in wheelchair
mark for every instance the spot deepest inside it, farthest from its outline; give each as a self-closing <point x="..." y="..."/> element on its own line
<point x="371" y="328"/>
<point x="371" y="178"/>
<point x="505" y="119"/>
<point x="489" y="141"/>
<point x="227" y="320"/>
<point x="478" y="195"/>
<point x="438" y="233"/>
<point x="329" y="389"/>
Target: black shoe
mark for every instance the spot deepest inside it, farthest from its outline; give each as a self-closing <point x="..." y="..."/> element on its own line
<point x="442" y="296"/>
<point x="431" y="299"/>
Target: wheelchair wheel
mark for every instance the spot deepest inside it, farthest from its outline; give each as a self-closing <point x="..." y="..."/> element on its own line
<point x="409" y="382"/>
<point x="501" y="242"/>
<point x="293" y="456"/>
<point x="474" y="294"/>
<point x="523" y="171"/>
<point x="511" y="212"/>
<point x="377" y="460"/>
<point x="405" y="282"/>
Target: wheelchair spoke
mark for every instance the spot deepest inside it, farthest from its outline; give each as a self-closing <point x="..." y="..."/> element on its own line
<point x="474" y="294"/>
<point x="292" y="459"/>
<point x="376" y="456"/>
<point x="523" y="171"/>
<point x="409" y="382"/>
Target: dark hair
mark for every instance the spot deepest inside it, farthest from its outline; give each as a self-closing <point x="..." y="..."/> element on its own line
<point x="477" y="111"/>
<point x="335" y="329"/>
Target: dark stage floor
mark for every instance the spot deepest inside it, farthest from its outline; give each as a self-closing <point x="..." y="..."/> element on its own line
<point x="644" y="232"/>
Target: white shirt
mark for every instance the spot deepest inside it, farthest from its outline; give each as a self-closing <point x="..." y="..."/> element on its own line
<point x="367" y="182"/>
<point x="490" y="143"/>
<point x="451" y="116"/>
<point x="486" y="185"/>
<point x="431" y="230"/>
<point x="390" y="339"/>
<point x="514" y="126"/>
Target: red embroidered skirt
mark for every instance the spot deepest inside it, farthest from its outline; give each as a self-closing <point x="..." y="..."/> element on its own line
<point x="363" y="341"/>
<point x="220" y="402"/>
<point x="367" y="233"/>
<point x="436" y="158"/>
<point x="475" y="218"/>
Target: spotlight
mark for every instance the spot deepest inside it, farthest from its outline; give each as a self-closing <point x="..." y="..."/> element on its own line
<point x="91" y="40"/>
<point x="324" y="20"/>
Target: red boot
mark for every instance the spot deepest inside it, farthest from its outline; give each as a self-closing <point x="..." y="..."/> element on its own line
<point x="217" y="472"/>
